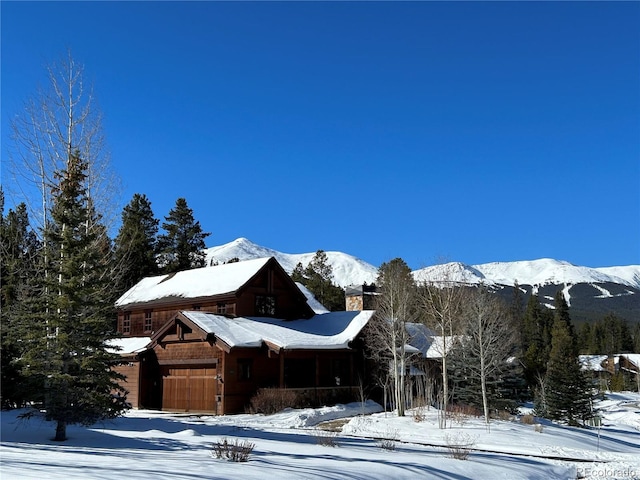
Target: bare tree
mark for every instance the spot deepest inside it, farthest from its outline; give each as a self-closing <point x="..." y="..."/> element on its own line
<point x="440" y="300"/>
<point x="58" y="121"/>
<point x="489" y="338"/>
<point x="387" y="335"/>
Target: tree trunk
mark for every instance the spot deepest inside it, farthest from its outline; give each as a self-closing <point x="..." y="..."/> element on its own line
<point x="485" y="403"/>
<point x="61" y="431"/>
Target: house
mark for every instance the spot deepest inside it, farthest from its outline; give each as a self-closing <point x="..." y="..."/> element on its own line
<point x="215" y="335"/>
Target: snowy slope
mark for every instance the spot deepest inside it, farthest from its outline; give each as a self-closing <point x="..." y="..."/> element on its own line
<point x="349" y="270"/>
<point x="544" y="271"/>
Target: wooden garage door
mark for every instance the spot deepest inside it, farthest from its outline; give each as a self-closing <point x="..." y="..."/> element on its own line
<point x="189" y="389"/>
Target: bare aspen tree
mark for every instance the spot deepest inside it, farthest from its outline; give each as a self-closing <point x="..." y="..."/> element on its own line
<point x="61" y="119"/>
<point x="488" y="337"/>
<point x="440" y="301"/>
<point x="387" y="335"/>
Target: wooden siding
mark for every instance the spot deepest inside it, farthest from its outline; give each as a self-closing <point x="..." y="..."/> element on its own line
<point x="271" y="281"/>
<point x="131" y="371"/>
<point x="161" y="314"/>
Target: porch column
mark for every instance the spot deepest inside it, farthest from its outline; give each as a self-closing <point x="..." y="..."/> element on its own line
<point x="281" y="368"/>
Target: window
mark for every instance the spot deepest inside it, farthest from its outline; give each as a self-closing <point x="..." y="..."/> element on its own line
<point x="196" y="307"/>
<point x="266" y="305"/>
<point x="222" y="308"/>
<point x="126" y="323"/>
<point x="244" y="368"/>
<point x="148" y="321"/>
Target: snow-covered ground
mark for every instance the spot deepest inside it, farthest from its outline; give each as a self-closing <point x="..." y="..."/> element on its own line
<point x="297" y="444"/>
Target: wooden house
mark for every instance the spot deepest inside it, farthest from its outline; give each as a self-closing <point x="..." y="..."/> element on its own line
<point x="215" y="335"/>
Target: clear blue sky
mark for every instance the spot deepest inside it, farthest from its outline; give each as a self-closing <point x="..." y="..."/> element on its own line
<point x="474" y="132"/>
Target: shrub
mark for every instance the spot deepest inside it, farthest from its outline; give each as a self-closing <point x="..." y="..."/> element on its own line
<point x="528" y="419"/>
<point x="236" y="451"/>
<point x="461" y="412"/>
<point x="389" y="440"/>
<point x="459" y="445"/>
<point x="272" y="400"/>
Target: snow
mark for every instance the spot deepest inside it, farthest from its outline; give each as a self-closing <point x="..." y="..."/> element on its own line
<point x="195" y="283"/>
<point x="347" y="269"/>
<point x="315" y="305"/>
<point x="333" y="330"/>
<point x="125" y="346"/>
<point x="592" y="362"/>
<point x="350" y="270"/>
<point x="293" y="444"/>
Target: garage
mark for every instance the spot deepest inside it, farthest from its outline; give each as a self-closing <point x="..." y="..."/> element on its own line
<point x="189" y="388"/>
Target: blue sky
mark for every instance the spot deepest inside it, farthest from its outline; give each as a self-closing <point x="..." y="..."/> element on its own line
<point x="475" y="132"/>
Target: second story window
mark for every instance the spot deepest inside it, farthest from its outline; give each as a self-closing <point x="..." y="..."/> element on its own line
<point x="266" y="305"/>
<point x="126" y="323"/>
<point x="148" y="321"/>
<point x="222" y="308"/>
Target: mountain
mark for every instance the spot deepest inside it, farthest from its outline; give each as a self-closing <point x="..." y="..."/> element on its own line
<point x="347" y="269"/>
<point x="591" y="292"/>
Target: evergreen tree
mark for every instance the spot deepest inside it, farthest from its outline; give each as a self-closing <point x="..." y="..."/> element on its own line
<point x="568" y="392"/>
<point x="318" y="278"/>
<point x="298" y="274"/>
<point x="536" y="340"/>
<point x="136" y="243"/>
<point x="182" y="247"/>
<point x="585" y="339"/>
<point x="18" y="271"/>
<point x="66" y="339"/>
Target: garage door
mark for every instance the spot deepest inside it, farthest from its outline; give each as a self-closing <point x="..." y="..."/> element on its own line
<point x="189" y="389"/>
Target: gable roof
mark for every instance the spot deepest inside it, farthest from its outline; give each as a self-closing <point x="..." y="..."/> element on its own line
<point x="195" y="283"/>
<point x="329" y="331"/>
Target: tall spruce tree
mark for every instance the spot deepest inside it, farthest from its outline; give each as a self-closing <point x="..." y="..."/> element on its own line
<point x="536" y="340"/>
<point x="136" y="244"/>
<point x="568" y="392"/>
<point x="66" y="352"/>
<point x="318" y="278"/>
<point x="182" y="247"/>
<point x="19" y="250"/>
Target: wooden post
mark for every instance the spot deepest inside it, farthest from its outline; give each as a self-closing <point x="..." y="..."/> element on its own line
<point x="281" y="368"/>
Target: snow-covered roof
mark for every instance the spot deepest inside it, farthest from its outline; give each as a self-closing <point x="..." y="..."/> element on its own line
<point x="129" y="345"/>
<point x="440" y="346"/>
<point x="195" y="283"/>
<point x="633" y="358"/>
<point x="315" y="305"/>
<point x="592" y="362"/>
<point x="333" y="330"/>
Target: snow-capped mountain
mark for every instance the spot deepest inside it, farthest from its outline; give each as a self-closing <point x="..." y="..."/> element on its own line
<point x="347" y="269"/>
<point x="588" y="290"/>
<point x="534" y="272"/>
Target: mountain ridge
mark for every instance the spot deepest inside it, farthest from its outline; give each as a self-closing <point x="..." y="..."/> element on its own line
<point x="350" y="270"/>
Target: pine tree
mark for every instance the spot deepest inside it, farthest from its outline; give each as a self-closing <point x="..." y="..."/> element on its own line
<point x="182" y="247"/>
<point x="318" y="278"/>
<point x="536" y="340"/>
<point x="18" y="271"/>
<point x="568" y="394"/>
<point x="136" y="243"/>
<point x="66" y="340"/>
